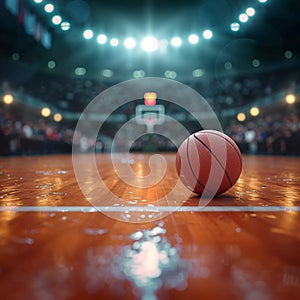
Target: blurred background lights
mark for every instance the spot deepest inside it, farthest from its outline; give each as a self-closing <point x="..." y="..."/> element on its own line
<point x="101" y="39"/>
<point x="170" y="74"/>
<point x="114" y="42"/>
<point x="243" y="18"/>
<point x="241" y="117"/>
<point x="198" y="73"/>
<point x="149" y="44"/>
<point x="49" y="8"/>
<point x="262" y="1"/>
<point x="15" y="56"/>
<point x="288" y="54"/>
<point x="65" y="26"/>
<point x="235" y="26"/>
<point x="255" y="63"/>
<point x="139" y="74"/>
<point x="207" y="34"/>
<point x="51" y="64"/>
<point x="107" y="73"/>
<point x="46" y="112"/>
<point x="8" y="99"/>
<point x="193" y="38"/>
<point x="290" y="99"/>
<point x="88" y="34"/>
<point x="254" y="111"/>
<point x="38" y="1"/>
<point x="57" y="117"/>
<point x="176" y="41"/>
<point x="80" y="71"/>
<point x="250" y="11"/>
<point x="228" y="65"/>
<point x="129" y="43"/>
<point x="56" y="20"/>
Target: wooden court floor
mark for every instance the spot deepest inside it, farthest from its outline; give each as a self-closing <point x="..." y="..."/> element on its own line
<point x="54" y="244"/>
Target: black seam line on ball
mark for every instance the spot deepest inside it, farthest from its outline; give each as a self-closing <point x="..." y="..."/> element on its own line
<point x="187" y="154"/>
<point x="188" y="158"/>
<point x="215" y="158"/>
<point x="233" y="146"/>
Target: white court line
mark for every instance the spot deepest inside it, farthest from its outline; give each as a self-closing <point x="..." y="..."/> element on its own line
<point x="149" y="208"/>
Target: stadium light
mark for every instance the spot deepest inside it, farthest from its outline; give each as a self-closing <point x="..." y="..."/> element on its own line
<point x="176" y="41"/>
<point x="8" y="99"/>
<point x="290" y="99"/>
<point x="65" y="26"/>
<point x="56" y="20"/>
<point x="88" y="34"/>
<point x="49" y="8"/>
<point x="149" y="44"/>
<point x="207" y="34"/>
<point x="235" y="26"/>
<point x="193" y="38"/>
<point x="241" y="117"/>
<point x="250" y="11"/>
<point x="129" y="43"/>
<point x="57" y="117"/>
<point x="243" y="18"/>
<point x="254" y="111"/>
<point x="101" y="39"/>
<point x="114" y="42"/>
<point x="46" y="112"/>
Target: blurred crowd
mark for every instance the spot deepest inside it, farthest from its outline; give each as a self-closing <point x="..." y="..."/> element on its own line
<point x="17" y="137"/>
<point x="276" y="134"/>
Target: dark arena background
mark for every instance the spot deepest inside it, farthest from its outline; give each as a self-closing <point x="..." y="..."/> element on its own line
<point x="99" y="213"/>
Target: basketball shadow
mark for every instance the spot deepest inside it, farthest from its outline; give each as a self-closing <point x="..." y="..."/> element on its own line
<point x="224" y="199"/>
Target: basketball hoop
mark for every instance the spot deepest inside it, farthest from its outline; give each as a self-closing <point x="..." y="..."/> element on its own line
<point x="150" y="116"/>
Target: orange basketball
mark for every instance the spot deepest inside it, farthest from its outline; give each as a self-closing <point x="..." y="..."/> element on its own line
<point x="209" y="162"/>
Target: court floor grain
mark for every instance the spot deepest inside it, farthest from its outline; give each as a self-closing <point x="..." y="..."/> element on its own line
<point x="55" y="244"/>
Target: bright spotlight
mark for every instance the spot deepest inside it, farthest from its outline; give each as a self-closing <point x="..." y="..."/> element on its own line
<point x="114" y="42"/>
<point x="65" y="26"/>
<point x="88" y="34"/>
<point x="235" y="26"/>
<point x="101" y="39"/>
<point x="243" y="18"/>
<point x="241" y="117"/>
<point x="176" y="41"/>
<point x="207" y="34"/>
<point x="254" y="111"/>
<point x="130" y="43"/>
<point x="49" y="8"/>
<point x="149" y="44"/>
<point x="38" y="1"/>
<point x="8" y="99"/>
<point x="57" y="117"/>
<point x="46" y="112"/>
<point x="262" y="1"/>
<point x="290" y="99"/>
<point x="56" y="20"/>
<point x="193" y="38"/>
<point x="250" y="11"/>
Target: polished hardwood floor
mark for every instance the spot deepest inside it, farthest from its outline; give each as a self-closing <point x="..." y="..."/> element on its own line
<point x="55" y="244"/>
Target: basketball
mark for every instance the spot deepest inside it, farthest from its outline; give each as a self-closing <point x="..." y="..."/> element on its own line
<point x="209" y="162"/>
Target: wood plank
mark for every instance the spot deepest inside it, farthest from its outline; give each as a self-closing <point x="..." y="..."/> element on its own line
<point x="187" y="254"/>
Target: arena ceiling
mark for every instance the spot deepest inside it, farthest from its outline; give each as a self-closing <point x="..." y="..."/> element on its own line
<point x="266" y="37"/>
